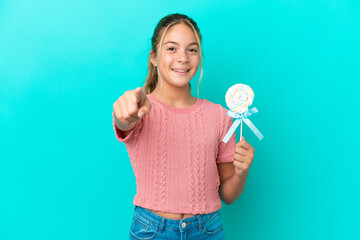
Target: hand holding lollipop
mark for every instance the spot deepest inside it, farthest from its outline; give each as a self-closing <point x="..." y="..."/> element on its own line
<point x="238" y="98"/>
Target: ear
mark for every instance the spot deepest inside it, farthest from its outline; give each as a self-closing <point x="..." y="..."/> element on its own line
<point x="153" y="58"/>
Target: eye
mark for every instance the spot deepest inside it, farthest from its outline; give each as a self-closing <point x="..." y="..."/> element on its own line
<point x="193" y="50"/>
<point x="171" y="48"/>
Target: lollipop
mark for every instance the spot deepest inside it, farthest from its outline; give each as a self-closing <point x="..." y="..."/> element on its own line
<point x="238" y="98"/>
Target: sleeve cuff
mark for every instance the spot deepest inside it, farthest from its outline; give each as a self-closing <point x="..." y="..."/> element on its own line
<point x="120" y="134"/>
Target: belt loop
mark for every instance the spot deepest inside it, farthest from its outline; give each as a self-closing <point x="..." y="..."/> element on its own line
<point x="162" y="225"/>
<point x="200" y="221"/>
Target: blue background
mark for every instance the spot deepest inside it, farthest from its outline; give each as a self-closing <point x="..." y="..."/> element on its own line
<point x="63" y="174"/>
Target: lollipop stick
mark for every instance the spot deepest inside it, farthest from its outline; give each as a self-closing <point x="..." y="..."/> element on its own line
<point x="241" y="130"/>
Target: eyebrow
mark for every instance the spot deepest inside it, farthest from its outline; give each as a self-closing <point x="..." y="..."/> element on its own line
<point x="193" y="43"/>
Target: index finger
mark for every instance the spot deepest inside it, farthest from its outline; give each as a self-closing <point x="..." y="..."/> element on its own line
<point x="139" y="95"/>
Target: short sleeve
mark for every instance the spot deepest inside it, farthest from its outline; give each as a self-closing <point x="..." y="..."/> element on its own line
<point x="226" y="151"/>
<point x="132" y="136"/>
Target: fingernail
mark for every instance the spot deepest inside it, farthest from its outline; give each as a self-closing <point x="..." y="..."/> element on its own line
<point x="141" y="114"/>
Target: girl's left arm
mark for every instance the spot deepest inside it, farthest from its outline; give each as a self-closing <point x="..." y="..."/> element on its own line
<point x="233" y="175"/>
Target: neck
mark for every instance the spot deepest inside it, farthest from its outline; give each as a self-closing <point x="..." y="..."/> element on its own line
<point x="177" y="97"/>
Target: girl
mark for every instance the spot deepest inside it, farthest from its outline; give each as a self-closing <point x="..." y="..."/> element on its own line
<point x="182" y="167"/>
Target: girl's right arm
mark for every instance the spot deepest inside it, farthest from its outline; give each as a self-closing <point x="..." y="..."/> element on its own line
<point x="130" y="108"/>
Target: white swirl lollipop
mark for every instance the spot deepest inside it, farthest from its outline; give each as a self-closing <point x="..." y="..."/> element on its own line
<point x="239" y="97"/>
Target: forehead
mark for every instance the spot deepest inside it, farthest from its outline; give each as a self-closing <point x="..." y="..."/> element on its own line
<point x="180" y="33"/>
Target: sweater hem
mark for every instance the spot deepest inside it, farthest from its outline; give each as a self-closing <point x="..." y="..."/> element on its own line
<point x="177" y="211"/>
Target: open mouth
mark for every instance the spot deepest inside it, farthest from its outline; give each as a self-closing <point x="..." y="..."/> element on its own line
<point x="180" y="70"/>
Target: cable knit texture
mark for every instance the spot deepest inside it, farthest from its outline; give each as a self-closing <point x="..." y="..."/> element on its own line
<point x="174" y="154"/>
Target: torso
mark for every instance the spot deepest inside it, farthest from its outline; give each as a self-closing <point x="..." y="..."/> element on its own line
<point x="175" y="216"/>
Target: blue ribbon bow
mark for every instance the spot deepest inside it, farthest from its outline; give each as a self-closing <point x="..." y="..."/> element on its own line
<point x="242" y="117"/>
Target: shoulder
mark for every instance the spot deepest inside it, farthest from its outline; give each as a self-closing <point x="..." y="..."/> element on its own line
<point x="218" y="108"/>
<point x="219" y="114"/>
<point x="218" y="117"/>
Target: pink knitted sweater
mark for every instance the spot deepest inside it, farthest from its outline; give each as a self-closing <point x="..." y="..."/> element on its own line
<point x="174" y="154"/>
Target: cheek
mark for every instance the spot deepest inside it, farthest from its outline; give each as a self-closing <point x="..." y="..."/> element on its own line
<point x="196" y="66"/>
<point x="195" y="61"/>
<point x="166" y="61"/>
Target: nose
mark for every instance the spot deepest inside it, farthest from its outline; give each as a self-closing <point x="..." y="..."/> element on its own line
<point x="182" y="57"/>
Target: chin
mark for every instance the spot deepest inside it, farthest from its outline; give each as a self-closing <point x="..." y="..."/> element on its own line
<point x="181" y="84"/>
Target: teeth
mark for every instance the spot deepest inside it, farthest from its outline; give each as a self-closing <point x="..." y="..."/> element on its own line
<point x="180" y="70"/>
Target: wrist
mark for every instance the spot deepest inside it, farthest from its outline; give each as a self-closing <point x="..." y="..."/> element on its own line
<point x="242" y="175"/>
<point x="122" y="126"/>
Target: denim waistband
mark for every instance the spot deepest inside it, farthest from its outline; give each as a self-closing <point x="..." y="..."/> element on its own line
<point x="182" y="224"/>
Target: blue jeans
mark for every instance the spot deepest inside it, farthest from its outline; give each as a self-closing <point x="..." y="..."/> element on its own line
<point x="149" y="225"/>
